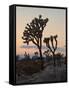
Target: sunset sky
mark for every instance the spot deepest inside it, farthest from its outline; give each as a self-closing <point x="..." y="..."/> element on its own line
<point x="55" y="25"/>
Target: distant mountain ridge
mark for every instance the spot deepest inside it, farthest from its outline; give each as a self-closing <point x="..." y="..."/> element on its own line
<point x="61" y="49"/>
<point x="32" y="46"/>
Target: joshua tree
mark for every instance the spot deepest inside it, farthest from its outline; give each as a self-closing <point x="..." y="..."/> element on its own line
<point x="53" y="45"/>
<point x="33" y="32"/>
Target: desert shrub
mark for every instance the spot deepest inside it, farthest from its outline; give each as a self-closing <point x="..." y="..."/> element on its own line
<point x="28" y="67"/>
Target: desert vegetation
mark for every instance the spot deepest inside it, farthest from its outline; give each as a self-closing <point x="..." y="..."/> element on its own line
<point x="49" y="63"/>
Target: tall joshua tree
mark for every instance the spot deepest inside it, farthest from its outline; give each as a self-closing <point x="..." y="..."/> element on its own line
<point x="51" y="45"/>
<point x="33" y="32"/>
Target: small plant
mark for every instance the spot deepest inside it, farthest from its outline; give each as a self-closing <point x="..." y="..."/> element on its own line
<point x="46" y="53"/>
<point x="59" y="58"/>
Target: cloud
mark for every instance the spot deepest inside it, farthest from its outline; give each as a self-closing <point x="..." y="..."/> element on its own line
<point x="62" y="49"/>
<point x="31" y="46"/>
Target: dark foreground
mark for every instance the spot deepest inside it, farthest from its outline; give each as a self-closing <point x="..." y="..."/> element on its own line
<point x="30" y="72"/>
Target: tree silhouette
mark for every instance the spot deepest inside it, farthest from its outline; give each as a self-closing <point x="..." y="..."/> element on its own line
<point x="51" y="45"/>
<point x="33" y="32"/>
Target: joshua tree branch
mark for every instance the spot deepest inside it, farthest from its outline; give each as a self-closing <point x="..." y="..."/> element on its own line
<point x="33" y="36"/>
<point x="52" y="45"/>
<point x="55" y="45"/>
<point x="34" y="42"/>
<point x="50" y="49"/>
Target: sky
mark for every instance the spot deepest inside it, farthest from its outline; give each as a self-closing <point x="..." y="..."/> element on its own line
<point x="55" y="25"/>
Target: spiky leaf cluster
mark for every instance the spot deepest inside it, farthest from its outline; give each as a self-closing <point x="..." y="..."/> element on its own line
<point x="33" y="30"/>
<point x="51" y="40"/>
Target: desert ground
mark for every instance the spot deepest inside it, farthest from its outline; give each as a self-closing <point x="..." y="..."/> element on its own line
<point x="30" y="72"/>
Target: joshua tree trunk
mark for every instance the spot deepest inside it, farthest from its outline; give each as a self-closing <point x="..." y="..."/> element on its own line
<point x="40" y="52"/>
<point x="41" y="58"/>
<point x="54" y="59"/>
